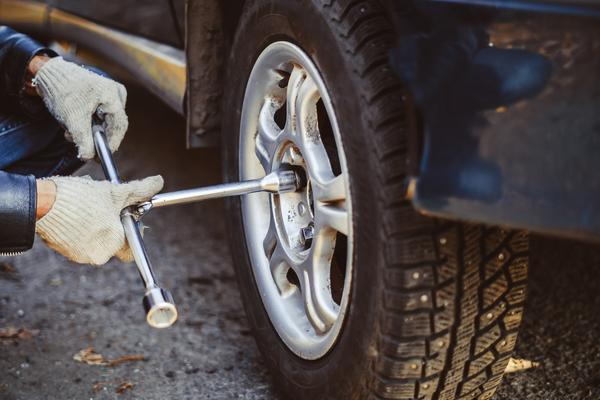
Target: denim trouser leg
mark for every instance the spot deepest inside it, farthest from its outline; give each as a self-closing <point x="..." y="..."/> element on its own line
<point x="36" y="147"/>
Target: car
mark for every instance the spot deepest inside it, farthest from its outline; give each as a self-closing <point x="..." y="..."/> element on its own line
<point x="434" y="135"/>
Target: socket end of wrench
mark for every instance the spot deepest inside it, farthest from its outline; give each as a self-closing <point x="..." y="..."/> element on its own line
<point x="283" y="181"/>
<point x="160" y="308"/>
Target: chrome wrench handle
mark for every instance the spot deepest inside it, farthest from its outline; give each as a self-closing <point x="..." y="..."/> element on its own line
<point x="277" y="182"/>
<point x="158" y="302"/>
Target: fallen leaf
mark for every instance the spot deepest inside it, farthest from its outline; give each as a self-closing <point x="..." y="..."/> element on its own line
<point x="90" y="357"/>
<point x="516" y="364"/>
<point x="124" y="386"/>
<point x="11" y="332"/>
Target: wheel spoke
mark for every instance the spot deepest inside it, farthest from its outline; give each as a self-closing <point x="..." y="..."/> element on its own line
<point x="268" y="133"/>
<point x="332" y="190"/>
<point x="320" y="307"/>
<point x="279" y="264"/>
<point x="310" y="144"/>
<point x="306" y="111"/>
<point x="294" y="85"/>
<point x="309" y="305"/>
<point x="334" y="215"/>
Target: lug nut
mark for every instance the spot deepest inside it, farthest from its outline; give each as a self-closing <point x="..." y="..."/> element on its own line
<point x="306" y="235"/>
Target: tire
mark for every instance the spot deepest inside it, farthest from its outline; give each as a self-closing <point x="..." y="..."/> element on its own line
<point x="429" y="308"/>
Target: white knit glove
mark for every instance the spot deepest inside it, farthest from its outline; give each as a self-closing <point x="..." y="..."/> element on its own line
<point x="84" y="223"/>
<point x="73" y="93"/>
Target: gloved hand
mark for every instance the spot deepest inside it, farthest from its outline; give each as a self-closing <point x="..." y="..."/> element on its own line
<point x="73" y="93"/>
<point x="84" y="223"/>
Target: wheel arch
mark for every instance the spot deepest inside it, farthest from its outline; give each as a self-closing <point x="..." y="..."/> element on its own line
<point x="210" y="27"/>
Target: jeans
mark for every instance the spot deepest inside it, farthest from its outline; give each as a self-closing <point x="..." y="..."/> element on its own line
<point x="37" y="146"/>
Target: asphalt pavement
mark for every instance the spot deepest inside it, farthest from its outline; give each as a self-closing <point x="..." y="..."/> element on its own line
<point x="59" y="308"/>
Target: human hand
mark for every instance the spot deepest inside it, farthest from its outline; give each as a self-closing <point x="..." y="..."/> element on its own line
<point x="73" y="94"/>
<point x="84" y="223"/>
<point x="46" y="196"/>
<point x="34" y="66"/>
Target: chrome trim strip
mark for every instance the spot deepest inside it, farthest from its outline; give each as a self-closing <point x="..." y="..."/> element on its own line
<point x="159" y="67"/>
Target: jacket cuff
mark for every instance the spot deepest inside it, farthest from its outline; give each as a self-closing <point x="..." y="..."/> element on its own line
<point x="18" y="203"/>
<point x="31" y="49"/>
<point x="34" y="106"/>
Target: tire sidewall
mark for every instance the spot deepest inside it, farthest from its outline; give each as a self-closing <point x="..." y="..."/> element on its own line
<point x="341" y="372"/>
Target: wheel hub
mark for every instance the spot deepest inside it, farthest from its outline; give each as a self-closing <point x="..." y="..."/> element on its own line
<point x="294" y="217"/>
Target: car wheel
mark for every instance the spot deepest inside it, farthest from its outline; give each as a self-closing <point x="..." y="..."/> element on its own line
<point x="351" y="293"/>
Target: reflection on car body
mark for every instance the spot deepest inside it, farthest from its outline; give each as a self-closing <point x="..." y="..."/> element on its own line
<point x="511" y="97"/>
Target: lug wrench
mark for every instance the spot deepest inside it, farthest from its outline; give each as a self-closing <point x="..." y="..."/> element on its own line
<point x="158" y="302"/>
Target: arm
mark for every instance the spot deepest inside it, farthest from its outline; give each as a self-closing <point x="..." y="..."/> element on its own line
<point x="23" y="200"/>
<point x="18" y="199"/>
<point x="16" y="53"/>
<point x="78" y="217"/>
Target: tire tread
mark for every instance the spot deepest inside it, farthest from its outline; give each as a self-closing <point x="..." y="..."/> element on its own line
<point x="459" y="351"/>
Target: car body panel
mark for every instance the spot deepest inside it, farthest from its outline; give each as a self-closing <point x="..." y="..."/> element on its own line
<point x="511" y="131"/>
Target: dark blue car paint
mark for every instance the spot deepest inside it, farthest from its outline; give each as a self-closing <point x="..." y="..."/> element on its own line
<point x="510" y="107"/>
<point x="565" y="7"/>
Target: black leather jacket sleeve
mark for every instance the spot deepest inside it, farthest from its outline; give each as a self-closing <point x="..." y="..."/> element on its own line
<point x="18" y="194"/>
<point x="16" y="51"/>
<point x="18" y="201"/>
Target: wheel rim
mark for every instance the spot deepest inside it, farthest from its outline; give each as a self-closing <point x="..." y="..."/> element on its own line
<point x="288" y="121"/>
